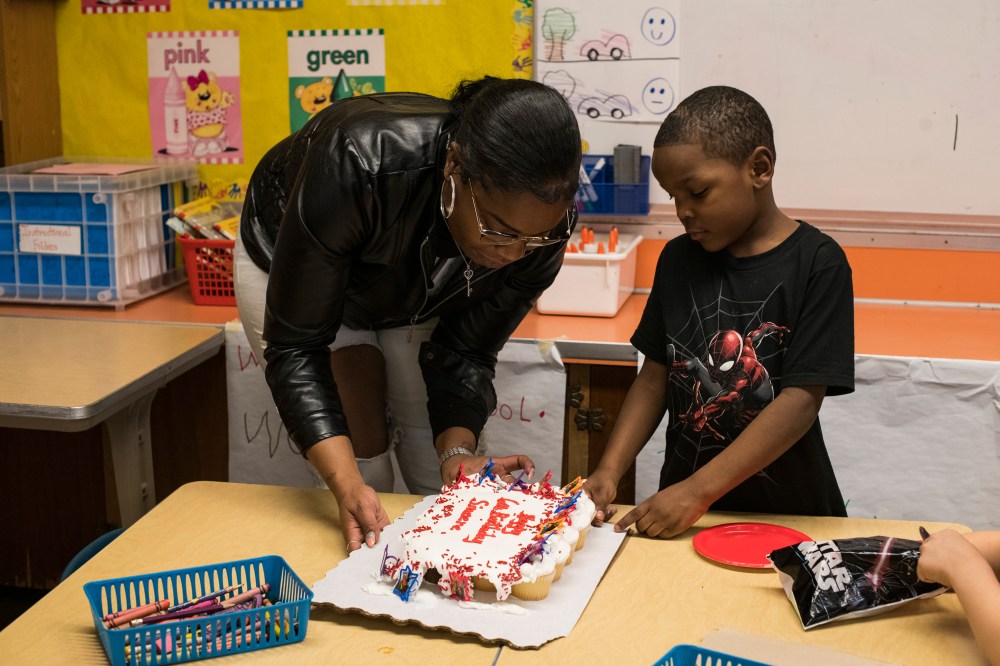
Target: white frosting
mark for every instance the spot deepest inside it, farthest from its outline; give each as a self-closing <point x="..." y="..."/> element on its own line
<point x="570" y="535"/>
<point x="558" y="549"/>
<point x="480" y="529"/>
<point x="509" y="609"/>
<point x="583" y="512"/>
<point x="537" y="568"/>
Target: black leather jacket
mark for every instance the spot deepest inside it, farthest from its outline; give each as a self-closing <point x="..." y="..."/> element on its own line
<point x="344" y="215"/>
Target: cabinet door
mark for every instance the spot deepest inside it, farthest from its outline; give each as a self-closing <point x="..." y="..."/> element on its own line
<point x="594" y="397"/>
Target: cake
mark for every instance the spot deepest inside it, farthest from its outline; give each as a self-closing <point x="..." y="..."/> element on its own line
<point x="484" y="534"/>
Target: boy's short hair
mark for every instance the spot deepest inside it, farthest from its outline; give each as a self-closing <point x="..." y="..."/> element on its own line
<point x="726" y="122"/>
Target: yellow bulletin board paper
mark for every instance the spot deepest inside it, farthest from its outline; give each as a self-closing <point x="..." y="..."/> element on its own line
<point x="105" y="91"/>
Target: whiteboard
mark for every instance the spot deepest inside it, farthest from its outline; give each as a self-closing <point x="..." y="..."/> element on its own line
<point x="877" y="105"/>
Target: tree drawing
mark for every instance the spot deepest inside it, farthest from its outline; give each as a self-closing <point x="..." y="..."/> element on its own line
<point x="558" y="27"/>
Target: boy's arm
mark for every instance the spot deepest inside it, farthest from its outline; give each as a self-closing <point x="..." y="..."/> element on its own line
<point x="988" y="544"/>
<point x="778" y="426"/>
<point x="641" y="412"/>
<point x="956" y="560"/>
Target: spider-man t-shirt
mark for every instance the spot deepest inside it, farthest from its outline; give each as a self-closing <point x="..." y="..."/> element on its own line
<point x="734" y="332"/>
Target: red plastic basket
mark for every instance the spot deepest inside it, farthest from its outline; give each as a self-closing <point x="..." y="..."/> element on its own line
<point x="209" y="266"/>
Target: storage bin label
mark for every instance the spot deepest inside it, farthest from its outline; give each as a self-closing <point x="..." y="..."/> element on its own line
<point x="49" y="239"/>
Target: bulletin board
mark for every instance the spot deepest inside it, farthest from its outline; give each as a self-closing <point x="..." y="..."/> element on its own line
<point x="428" y="47"/>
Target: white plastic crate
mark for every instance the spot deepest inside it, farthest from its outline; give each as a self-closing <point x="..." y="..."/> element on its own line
<point x="595" y="285"/>
<point x="89" y="239"/>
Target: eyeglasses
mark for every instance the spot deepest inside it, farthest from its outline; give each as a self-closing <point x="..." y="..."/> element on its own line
<point x="494" y="237"/>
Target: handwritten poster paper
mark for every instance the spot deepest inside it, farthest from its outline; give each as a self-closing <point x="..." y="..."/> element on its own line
<point x="531" y="405"/>
<point x="123" y="6"/>
<point x="324" y="65"/>
<point x="260" y="450"/>
<point x="194" y="95"/>
<point x="610" y="66"/>
<point x="531" y="392"/>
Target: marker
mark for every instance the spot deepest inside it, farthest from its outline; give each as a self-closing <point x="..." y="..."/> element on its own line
<point x="924" y="534"/>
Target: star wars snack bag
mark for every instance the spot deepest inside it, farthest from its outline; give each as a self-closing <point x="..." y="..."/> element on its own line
<point x="847" y="578"/>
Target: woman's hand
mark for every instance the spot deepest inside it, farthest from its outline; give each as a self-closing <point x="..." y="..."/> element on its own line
<point x="503" y="467"/>
<point x="667" y="513"/>
<point x="602" y="487"/>
<point x="361" y="516"/>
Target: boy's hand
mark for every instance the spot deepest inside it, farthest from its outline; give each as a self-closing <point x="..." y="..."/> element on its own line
<point x="940" y="553"/>
<point x="602" y="486"/>
<point x="667" y="513"/>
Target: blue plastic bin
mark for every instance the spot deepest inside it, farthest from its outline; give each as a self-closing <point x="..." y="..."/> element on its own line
<point x="613" y="198"/>
<point x="692" y="655"/>
<point x="283" y="622"/>
<point x="89" y="239"/>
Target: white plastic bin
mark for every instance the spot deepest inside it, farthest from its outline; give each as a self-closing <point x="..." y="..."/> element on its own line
<point x="594" y="285"/>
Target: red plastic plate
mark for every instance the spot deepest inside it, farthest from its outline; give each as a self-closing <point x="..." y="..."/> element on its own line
<point x="745" y="544"/>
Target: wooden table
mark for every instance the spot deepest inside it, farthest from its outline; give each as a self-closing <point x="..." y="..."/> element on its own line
<point x="671" y="594"/>
<point x="69" y="375"/>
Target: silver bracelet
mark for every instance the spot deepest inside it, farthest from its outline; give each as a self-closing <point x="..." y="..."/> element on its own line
<point x="454" y="452"/>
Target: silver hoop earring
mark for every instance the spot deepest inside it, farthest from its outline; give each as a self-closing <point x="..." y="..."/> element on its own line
<point x="447" y="211"/>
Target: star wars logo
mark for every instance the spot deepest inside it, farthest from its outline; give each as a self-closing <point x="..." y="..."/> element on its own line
<point x="825" y="561"/>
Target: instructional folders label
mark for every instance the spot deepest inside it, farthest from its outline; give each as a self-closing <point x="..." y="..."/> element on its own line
<point x="49" y="239"/>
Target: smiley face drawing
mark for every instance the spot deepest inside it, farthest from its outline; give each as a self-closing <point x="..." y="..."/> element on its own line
<point x="658" y="26"/>
<point x="658" y="96"/>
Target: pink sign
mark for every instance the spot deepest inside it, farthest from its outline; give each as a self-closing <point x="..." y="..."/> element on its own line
<point x="194" y="96"/>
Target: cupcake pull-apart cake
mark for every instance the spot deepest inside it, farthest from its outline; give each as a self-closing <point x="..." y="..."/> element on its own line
<point x="484" y="534"/>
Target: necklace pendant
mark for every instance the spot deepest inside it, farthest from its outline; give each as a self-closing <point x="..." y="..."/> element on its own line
<point x="468" y="282"/>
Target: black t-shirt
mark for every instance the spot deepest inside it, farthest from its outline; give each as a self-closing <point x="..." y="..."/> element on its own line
<point x="734" y="332"/>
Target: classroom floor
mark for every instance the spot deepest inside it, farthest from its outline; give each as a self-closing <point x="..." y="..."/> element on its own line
<point x="16" y="600"/>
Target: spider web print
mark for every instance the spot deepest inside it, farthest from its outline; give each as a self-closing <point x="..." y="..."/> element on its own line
<point x="690" y="342"/>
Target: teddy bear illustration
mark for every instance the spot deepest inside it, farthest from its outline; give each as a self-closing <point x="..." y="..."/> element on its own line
<point x="206" y="113"/>
<point x="316" y="96"/>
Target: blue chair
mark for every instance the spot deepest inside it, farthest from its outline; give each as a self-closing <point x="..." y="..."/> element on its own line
<point x="88" y="551"/>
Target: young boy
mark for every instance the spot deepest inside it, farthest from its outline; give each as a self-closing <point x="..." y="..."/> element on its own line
<point x="970" y="565"/>
<point x="749" y="324"/>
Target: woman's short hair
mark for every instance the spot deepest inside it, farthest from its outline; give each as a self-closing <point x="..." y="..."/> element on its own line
<point x="518" y="135"/>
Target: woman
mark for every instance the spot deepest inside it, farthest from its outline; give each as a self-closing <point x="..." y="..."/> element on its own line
<point x="400" y="240"/>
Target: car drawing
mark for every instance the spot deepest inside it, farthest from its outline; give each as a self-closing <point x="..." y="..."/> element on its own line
<point x="616" y="106"/>
<point x="616" y="48"/>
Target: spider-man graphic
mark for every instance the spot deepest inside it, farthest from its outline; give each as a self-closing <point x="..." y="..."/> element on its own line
<point x="730" y="384"/>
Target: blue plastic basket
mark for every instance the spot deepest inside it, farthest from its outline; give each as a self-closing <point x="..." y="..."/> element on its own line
<point x="692" y="655"/>
<point x="614" y="198"/>
<point x="285" y="621"/>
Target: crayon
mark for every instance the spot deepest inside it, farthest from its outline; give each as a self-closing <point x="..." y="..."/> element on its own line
<point x="204" y="608"/>
<point x="207" y="597"/>
<point x="113" y="620"/>
<point x="262" y="589"/>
